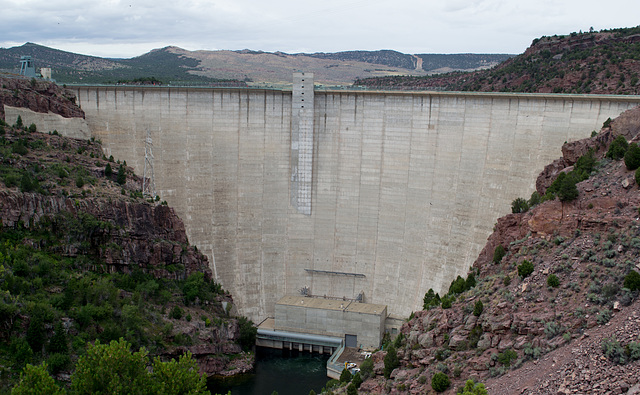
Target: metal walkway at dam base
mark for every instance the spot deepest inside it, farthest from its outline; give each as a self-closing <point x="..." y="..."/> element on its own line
<point x="268" y="336"/>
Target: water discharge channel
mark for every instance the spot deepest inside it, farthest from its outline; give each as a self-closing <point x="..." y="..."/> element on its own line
<point x="286" y="372"/>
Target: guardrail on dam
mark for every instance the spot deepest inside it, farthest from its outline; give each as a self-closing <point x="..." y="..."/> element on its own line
<point x="406" y="186"/>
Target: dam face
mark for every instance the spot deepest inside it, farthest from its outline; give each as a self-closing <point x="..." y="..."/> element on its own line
<point x="405" y="189"/>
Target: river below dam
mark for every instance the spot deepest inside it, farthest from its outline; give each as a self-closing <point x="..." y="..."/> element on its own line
<point x="284" y="371"/>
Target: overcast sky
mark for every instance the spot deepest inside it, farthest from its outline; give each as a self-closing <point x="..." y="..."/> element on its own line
<point x="114" y="28"/>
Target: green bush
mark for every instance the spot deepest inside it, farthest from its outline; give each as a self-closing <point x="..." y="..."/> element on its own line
<point x="553" y="281"/>
<point x="390" y="361"/>
<point x="567" y="189"/>
<point x="351" y="389"/>
<point x="471" y="388"/>
<point x="478" y="308"/>
<point x="525" y="268"/>
<point x="535" y="199"/>
<point x="499" y="253"/>
<point x="121" y="178"/>
<point x="519" y="205"/>
<point x="357" y="379"/>
<point x="108" y="171"/>
<point x="248" y="333"/>
<point x="447" y="301"/>
<point x="430" y="300"/>
<point x="617" y="148"/>
<point x="632" y="157"/>
<point x="58" y="362"/>
<point x="440" y="382"/>
<point x="345" y="376"/>
<point x="176" y="312"/>
<point x="507" y="356"/>
<point x="33" y="128"/>
<point x="366" y="368"/>
<point x="36" y="380"/>
<point x="614" y="351"/>
<point x="632" y="281"/>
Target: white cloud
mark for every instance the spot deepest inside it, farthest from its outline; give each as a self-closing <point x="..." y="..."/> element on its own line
<point x="128" y="28"/>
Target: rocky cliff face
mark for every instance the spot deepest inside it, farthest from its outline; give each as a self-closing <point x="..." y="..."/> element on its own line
<point x="70" y="203"/>
<point x="536" y="335"/>
<point x="39" y="96"/>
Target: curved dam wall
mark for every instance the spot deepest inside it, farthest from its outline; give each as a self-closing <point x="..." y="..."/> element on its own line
<point x="406" y="187"/>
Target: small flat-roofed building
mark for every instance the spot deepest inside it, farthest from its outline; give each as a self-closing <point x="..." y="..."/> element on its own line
<point x="359" y="324"/>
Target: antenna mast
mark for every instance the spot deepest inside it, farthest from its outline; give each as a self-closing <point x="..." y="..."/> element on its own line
<point x="148" y="179"/>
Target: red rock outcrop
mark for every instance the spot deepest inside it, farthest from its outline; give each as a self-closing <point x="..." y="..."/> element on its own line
<point x="39" y="96"/>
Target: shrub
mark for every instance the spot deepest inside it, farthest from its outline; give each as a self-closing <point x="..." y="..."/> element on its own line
<point x="36" y="380"/>
<point x="447" y="301"/>
<point x="390" y="361"/>
<point x="471" y="388"/>
<point x="478" y="308"/>
<point x="248" y="332"/>
<point x="632" y="281"/>
<point x="121" y="178"/>
<point x="33" y="128"/>
<point x="507" y="356"/>
<point x="108" y="171"/>
<point x="617" y="148"/>
<point x="552" y="329"/>
<point x="499" y="253"/>
<point x="366" y="368"/>
<point x="19" y="148"/>
<point x="519" y="205"/>
<point x="176" y="312"/>
<point x="603" y="316"/>
<point x="506" y="281"/>
<point x="345" y="376"/>
<point x="553" y="281"/>
<point x="58" y="362"/>
<point x="614" y="351"/>
<point x="632" y="157"/>
<point x="430" y="300"/>
<point x="567" y="190"/>
<point x="525" y="269"/>
<point x="440" y="382"/>
<point x="351" y="389"/>
<point x="535" y="199"/>
<point x="178" y="377"/>
<point x="357" y="379"/>
<point x="457" y="286"/>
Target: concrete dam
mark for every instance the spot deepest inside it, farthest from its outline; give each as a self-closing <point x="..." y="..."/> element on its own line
<point x="376" y="196"/>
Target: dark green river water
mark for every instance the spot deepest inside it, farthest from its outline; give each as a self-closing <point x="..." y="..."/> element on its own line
<point x="287" y="372"/>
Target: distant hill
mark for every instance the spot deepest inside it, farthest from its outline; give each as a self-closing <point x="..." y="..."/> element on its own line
<point x="605" y="62"/>
<point x="173" y="65"/>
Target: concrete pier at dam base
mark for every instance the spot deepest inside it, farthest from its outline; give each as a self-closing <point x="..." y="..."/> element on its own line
<point x="406" y="186"/>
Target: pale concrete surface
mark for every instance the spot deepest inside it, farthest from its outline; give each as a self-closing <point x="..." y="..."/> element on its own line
<point x="48" y="122"/>
<point x="406" y="186"/>
<point x="335" y="318"/>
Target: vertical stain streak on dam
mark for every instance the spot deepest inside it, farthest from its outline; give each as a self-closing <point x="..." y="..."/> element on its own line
<point x="405" y="187"/>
